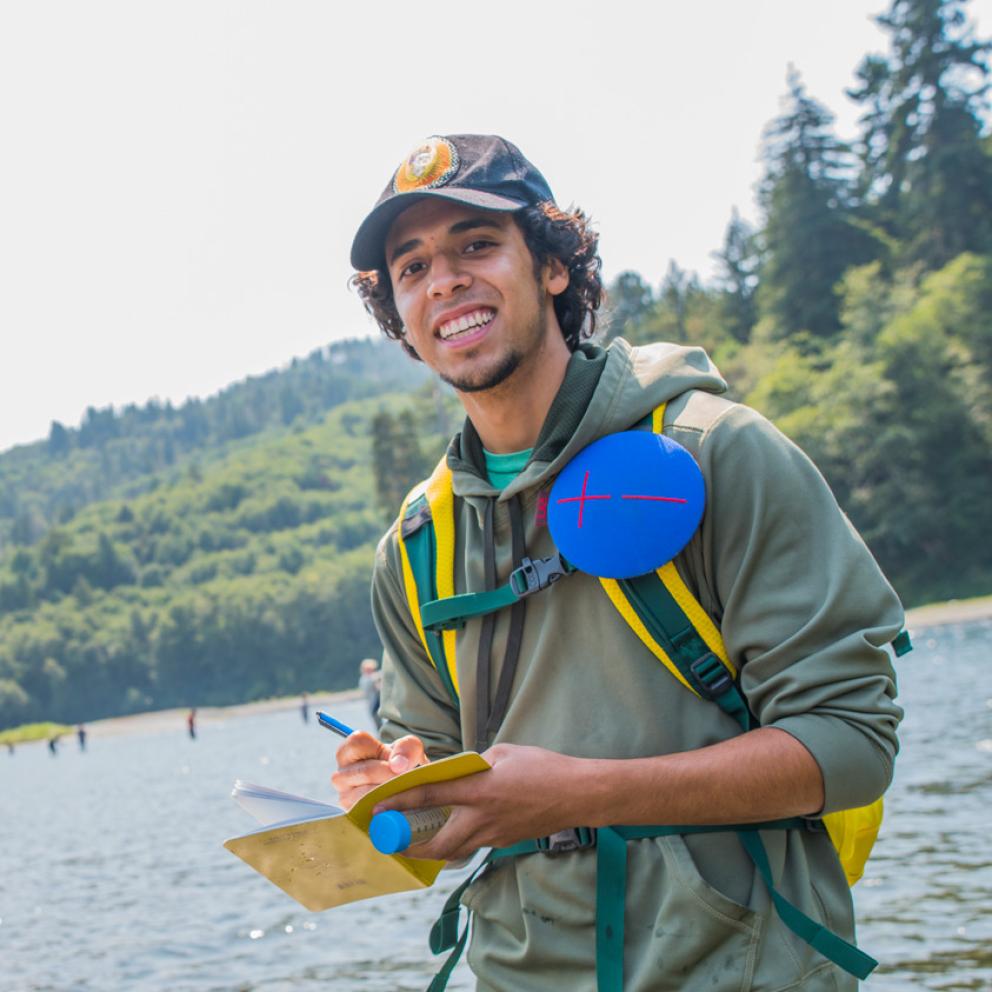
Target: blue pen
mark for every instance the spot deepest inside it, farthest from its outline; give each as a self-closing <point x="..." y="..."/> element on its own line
<point x="341" y="729"/>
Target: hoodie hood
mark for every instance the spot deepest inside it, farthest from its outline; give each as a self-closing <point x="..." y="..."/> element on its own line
<point x="605" y="390"/>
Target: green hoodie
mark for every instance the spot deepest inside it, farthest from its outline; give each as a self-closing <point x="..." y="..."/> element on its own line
<point x="805" y="613"/>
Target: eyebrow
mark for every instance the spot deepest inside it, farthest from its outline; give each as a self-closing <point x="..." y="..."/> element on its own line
<point x="459" y="228"/>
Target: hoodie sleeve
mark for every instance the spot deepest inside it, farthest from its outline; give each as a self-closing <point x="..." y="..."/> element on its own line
<point x="807" y="613"/>
<point x="410" y="683"/>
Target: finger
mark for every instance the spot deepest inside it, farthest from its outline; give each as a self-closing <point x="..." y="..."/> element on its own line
<point x="454" y="841"/>
<point x="361" y="774"/>
<point x="348" y="797"/>
<point x="417" y="798"/>
<point x="500" y="752"/>
<point x="457" y="792"/>
<point x="406" y="753"/>
<point x="428" y="851"/>
<point x="361" y="746"/>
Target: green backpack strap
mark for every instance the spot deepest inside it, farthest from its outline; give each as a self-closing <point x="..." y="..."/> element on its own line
<point x="611" y="889"/>
<point x="701" y="668"/>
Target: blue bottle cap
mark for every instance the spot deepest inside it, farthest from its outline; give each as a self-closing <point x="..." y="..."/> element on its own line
<point x="390" y="832"/>
<point x="626" y="505"/>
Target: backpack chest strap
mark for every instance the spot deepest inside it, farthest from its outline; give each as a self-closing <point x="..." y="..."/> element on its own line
<point x="611" y="895"/>
<point x="533" y="575"/>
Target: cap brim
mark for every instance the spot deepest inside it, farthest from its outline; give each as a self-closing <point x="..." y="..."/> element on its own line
<point x="368" y="248"/>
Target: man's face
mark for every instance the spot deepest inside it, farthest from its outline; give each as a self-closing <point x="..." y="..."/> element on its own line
<point x="464" y="286"/>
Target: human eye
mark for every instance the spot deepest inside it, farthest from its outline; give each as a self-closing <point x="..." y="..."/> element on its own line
<point x="411" y="269"/>
<point x="478" y="244"/>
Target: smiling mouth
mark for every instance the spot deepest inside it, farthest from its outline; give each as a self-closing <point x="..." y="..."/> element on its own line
<point x="451" y="330"/>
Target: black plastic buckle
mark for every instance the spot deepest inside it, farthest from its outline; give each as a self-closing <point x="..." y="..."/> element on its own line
<point x="711" y="676"/>
<point x="570" y="839"/>
<point x="535" y="574"/>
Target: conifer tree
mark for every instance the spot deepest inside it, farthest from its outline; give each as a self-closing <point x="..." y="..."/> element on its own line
<point x="59" y="441"/>
<point x="384" y="459"/>
<point x="810" y="234"/>
<point x="737" y="278"/>
<point x="630" y="301"/>
<point x="677" y="288"/>
<point x="925" y="171"/>
<point x="398" y="460"/>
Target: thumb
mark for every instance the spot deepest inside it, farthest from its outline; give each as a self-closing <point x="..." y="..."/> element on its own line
<point x="406" y="753"/>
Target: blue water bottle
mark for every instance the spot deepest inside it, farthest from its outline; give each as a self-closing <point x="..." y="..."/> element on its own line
<point x="392" y="832"/>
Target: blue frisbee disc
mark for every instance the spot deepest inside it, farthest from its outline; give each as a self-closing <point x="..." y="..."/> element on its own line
<point x="626" y="505"/>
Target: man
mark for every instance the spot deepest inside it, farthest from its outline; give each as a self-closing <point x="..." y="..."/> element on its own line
<point x="370" y="684"/>
<point x="467" y="261"/>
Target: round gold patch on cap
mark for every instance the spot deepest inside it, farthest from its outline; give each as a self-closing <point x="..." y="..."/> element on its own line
<point x="429" y="165"/>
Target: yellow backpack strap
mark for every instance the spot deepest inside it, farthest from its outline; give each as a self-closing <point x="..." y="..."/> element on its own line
<point x="426" y="536"/>
<point x="662" y="611"/>
<point x="667" y="617"/>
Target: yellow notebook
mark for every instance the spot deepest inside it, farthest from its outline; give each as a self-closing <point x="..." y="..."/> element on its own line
<point x="324" y="860"/>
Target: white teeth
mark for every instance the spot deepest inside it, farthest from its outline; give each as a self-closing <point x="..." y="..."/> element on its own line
<point x="453" y="328"/>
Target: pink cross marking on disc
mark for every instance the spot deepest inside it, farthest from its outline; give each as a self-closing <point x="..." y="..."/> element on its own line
<point x="581" y="499"/>
<point x="662" y="499"/>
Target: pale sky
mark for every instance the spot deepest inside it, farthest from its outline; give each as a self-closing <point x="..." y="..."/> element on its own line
<point x="180" y="181"/>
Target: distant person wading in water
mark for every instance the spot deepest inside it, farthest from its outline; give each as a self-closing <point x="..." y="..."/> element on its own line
<point x="370" y="682"/>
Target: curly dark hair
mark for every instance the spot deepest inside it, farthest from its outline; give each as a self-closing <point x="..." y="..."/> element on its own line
<point x="549" y="232"/>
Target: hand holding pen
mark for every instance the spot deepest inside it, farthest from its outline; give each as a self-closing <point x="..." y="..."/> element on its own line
<point x="364" y="763"/>
<point x="400" y="756"/>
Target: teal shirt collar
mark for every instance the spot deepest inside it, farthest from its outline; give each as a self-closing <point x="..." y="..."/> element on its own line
<point x="501" y="470"/>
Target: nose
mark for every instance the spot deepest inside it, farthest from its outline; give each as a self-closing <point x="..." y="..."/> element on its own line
<point x="447" y="276"/>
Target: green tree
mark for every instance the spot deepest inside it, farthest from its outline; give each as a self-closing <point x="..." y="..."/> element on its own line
<point x="59" y="440"/>
<point x="737" y="278"/>
<point x="111" y="567"/>
<point x="677" y="288"/>
<point x="15" y="703"/>
<point x="25" y="528"/>
<point x="925" y="171"/>
<point x="630" y="301"/>
<point x="896" y="414"/>
<point x="810" y="235"/>
<point x="398" y="460"/>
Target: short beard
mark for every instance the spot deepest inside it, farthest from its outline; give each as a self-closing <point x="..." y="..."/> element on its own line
<point x="498" y="375"/>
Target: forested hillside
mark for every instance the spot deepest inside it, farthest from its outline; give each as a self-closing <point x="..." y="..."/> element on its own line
<point x="122" y="453"/>
<point x="220" y="551"/>
<point x="244" y="576"/>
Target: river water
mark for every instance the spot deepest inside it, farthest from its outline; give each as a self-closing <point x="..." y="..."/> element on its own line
<point x="112" y="874"/>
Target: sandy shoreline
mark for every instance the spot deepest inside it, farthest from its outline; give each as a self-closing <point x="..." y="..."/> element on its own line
<point x="953" y="611"/>
<point x="937" y="614"/>
<point x="171" y="720"/>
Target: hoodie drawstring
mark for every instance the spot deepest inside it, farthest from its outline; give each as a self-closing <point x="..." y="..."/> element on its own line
<point x="489" y="717"/>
